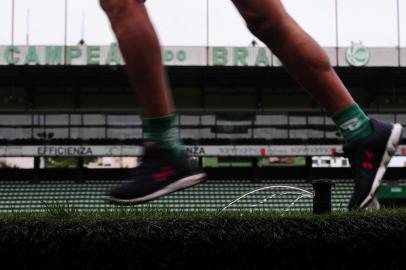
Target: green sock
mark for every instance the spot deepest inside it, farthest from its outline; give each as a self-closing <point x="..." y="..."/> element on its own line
<point x="353" y="124"/>
<point x="161" y="131"/>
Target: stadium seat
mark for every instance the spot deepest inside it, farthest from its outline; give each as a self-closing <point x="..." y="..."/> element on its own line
<point x="211" y="195"/>
<point x="85" y="128"/>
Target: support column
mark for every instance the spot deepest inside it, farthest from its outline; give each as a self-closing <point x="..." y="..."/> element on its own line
<point x="35" y="173"/>
<point x="80" y="175"/>
<point x="322" y="196"/>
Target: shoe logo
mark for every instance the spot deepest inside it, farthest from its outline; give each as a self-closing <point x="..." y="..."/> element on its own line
<point x="367" y="165"/>
<point x="351" y="124"/>
<point x="163" y="174"/>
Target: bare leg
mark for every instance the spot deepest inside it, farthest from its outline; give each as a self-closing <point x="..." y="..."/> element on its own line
<point x="166" y="167"/>
<point x="309" y="65"/>
<point x="142" y="53"/>
<point x="301" y="55"/>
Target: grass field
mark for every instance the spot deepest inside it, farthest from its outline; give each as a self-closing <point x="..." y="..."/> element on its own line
<point x="65" y="212"/>
<point x="62" y="212"/>
<point x="62" y="238"/>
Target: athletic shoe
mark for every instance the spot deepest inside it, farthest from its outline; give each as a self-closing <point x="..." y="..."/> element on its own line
<point x="369" y="160"/>
<point x="159" y="174"/>
<point x="374" y="204"/>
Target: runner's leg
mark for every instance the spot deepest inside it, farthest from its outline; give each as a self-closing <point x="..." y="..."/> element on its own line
<point x="301" y="55"/>
<point x="370" y="143"/>
<point x="142" y="53"/>
<point x="165" y="167"/>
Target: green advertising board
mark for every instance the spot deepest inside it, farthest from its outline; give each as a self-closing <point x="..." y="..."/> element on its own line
<point x="357" y="55"/>
<point x="110" y="55"/>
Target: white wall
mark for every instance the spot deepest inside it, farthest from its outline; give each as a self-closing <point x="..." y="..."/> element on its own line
<point x="184" y="22"/>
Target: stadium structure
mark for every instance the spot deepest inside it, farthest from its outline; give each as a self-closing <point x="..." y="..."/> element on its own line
<point x="70" y="126"/>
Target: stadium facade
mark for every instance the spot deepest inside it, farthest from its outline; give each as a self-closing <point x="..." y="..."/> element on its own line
<point x="240" y="113"/>
<point x="357" y="55"/>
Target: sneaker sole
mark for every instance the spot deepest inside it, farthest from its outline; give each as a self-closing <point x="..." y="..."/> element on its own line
<point x="391" y="147"/>
<point x="374" y="204"/>
<point x="175" y="186"/>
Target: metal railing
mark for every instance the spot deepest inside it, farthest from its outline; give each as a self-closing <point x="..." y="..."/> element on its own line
<point x="75" y="126"/>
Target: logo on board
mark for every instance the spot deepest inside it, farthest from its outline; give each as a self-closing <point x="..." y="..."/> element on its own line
<point x="357" y="55"/>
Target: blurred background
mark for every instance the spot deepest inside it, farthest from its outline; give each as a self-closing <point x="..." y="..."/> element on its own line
<point x="71" y="128"/>
<point x="202" y="22"/>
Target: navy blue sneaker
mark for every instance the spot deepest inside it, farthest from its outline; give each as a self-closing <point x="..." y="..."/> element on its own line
<point x="369" y="160"/>
<point x="160" y="173"/>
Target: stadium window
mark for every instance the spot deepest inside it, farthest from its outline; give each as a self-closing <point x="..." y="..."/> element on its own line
<point x="227" y="162"/>
<point x="281" y="161"/>
<point x="59" y="163"/>
<point x="111" y="162"/>
<point x="17" y="163"/>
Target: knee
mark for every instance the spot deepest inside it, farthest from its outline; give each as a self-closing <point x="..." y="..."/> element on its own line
<point x="264" y="27"/>
<point x="115" y="8"/>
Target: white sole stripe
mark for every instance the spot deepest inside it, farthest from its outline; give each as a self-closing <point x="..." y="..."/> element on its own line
<point x="178" y="185"/>
<point x="390" y="150"/>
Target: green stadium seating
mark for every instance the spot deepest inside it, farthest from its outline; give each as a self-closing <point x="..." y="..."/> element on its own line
<point x="211" y="195"/>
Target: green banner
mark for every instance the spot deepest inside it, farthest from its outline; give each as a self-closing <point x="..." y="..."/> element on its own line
<point x="356" y="55"/>
<point x="111" y="55"/>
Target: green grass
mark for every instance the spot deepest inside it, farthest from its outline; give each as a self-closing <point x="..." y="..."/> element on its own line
<point x="65" y="211"/>
<point x="62" y="238"/>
